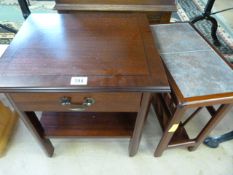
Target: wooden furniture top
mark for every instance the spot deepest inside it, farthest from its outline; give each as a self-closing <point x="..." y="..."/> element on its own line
<point x="116" y="5"/>
<point x="196" y="68"/>
<point x="115" y="51"/>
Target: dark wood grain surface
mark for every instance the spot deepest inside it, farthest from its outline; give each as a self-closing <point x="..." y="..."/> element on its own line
<point x="104" y="102"/>
<point x="126" y="2"/>
<point x="115" y="51"/>
<point x="88" y="124"/>
<point x="157" y="11"/>
<point x="117" y="5"/>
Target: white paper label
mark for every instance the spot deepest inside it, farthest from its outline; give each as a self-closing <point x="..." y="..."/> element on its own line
<point x="78" y="81"/>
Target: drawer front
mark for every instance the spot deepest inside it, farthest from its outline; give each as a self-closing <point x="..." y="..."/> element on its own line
<point x="91" y="102"/>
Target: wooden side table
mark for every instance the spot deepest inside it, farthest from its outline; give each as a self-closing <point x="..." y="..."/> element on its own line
<point x="199" y="77"/>
<point x="91" y="75"/>
<point x="158" y="11"/>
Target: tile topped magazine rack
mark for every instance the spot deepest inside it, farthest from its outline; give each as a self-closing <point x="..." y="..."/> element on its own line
<point x="199" y="78"/>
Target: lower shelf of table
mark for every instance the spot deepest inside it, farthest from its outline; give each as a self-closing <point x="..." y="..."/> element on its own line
<point x="87" y="124"/>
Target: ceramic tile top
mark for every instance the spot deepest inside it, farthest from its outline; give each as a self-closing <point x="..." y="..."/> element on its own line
<point x="197" y="69"/>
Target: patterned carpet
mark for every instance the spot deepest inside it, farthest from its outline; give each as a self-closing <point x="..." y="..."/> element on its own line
<point x="187" y="9"/>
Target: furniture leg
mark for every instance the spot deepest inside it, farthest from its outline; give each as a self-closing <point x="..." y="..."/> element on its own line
<point x="197" y="18"/>
<point x="24" y="8"/>
<point x="213" y="142"/>
<point x="137" y="133"/>
<point x="8" y="28"/>
<point x="206" y="15"/>
<point x="169" y="131"/>
<point x="214" y="28"/>
<point x="223" y="109"/>
<point x="32" y="123"/>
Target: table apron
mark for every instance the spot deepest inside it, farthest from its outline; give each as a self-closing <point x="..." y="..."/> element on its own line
<point x="104" y="102"/>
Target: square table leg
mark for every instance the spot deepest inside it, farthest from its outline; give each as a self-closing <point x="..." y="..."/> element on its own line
<point x="137" y="133"/>
<point x="169" y="132"/>
<point x="33" y="124"/>
<point x="216" y="118"/>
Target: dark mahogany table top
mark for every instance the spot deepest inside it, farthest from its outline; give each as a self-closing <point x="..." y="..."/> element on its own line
<point x="115" y="51"/>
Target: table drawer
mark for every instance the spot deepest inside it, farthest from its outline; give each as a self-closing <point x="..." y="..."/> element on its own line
<point x="93" y="102"/>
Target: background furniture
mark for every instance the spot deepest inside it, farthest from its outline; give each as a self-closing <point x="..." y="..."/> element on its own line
<point x="199" y="78"/>
<point x="8" y="28"/>
<point x="158" y="11"/>
<point x="25" y="11"/>
<point x="92" y="74"/>
<point x="24" y="8"/>
<point x="213" y="142"/>
<point x="207" y="15"/>
<point x="8" y="120"/>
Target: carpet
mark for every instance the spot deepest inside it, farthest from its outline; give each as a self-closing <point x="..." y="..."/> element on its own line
<point x="188" y="9"/>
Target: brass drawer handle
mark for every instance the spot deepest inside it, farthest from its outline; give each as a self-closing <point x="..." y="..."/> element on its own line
<point x="87" y="102"/>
